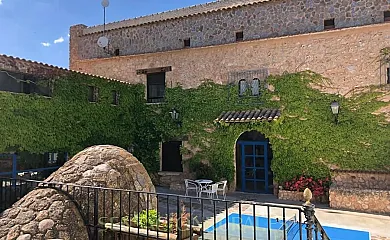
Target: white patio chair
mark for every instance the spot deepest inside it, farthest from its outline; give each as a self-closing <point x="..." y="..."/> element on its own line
<point x="211" y="190"/>
<point x="222" y="187"/>
<point x="191" y="185"/>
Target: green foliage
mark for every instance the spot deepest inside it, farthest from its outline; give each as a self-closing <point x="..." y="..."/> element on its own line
<point x="305" y="140"/>
<point x="145" y="219"/>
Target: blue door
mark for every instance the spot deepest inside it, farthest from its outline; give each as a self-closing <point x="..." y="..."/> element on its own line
<point x="254" y="166"/>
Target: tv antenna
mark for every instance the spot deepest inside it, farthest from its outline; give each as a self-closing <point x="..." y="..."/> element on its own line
<point x="103" y="41"/>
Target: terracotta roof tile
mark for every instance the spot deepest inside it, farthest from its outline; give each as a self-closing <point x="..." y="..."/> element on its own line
<point x="248" y="116"/>
<point x="65" y="70"/>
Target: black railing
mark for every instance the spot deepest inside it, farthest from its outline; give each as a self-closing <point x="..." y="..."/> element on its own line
<point x="319" y="231"/>
<point x="124" y="214"/>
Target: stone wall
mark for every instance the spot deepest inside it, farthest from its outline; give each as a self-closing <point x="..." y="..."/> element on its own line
<point x="348" y="57"/>
<point x="259" y="20"/>
<point x="364" y="191"/>
<point x="362" y="200"/>
<point x="290" y="195"/>
<point x="361" y="180"/>
<point x="298" y="197"/>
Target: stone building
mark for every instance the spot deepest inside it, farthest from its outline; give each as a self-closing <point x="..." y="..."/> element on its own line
<point x="339" y="39"/>
<point x="229" y="41"/>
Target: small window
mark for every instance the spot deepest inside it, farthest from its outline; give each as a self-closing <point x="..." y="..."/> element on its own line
<point x="93" y="94"/>
<point x="115" y="97"/>
<point x="387" y="16"/>
<point x="239" y="36"/>
<point x="388" y="75"/>
<point x="116" y="52"/>
<point x="155" y="87"/>
<point x="52" y="158"/>
<point x="187" y="42"/>
<point x="242" y="85"/>
<point x="255" y="87"/>
<point x="329" y="24"/>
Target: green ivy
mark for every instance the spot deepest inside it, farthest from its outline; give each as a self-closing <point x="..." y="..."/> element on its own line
<point x="304" y="140"/>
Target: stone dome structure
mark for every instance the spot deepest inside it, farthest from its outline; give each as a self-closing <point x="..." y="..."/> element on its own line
<point x="48" y="213"/>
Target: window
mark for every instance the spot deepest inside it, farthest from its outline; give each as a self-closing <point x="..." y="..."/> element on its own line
<point x="242" y="87"/>
<point x="255" y="86"/>
<point x="115" y="97"/>
<point x="116" y="52"/>
<point x="388" y="75"/>
<point x="93" y="94"/>
<point x="155" y="87"/>
<point x="387" y="16"/>
<point x="187" y="42"/>
<point x="239" y="36"/>
<point x="52" y="158"/>
<point x="329" y="24"/>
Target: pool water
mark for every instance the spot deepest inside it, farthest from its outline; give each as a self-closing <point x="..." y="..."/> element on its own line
<point x="276" y="232"/>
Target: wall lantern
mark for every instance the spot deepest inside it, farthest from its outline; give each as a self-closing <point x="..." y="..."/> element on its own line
<point x="175" y="116"/>
<point x="335" y="107"/>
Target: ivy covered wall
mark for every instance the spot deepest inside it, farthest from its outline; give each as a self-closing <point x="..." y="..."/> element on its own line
<point x="304" y="140"/>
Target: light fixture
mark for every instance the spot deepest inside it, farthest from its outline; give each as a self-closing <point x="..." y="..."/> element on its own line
<point x="335" y="107"/>
<point x="174" y="114"/>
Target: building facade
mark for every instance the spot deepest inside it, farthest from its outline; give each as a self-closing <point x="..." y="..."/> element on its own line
<point x="229" y="41"/>
<point x="338" y="39"/>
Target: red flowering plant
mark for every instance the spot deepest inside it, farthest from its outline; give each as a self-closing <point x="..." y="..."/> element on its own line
<point x="318" y="186"/>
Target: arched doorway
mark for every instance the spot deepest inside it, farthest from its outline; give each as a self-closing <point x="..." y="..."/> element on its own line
<point x="253" y="163"/>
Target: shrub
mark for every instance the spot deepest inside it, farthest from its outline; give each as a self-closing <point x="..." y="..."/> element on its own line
<point x="318" y="186"/>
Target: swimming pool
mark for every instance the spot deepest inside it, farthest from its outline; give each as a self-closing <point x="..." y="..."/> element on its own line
<point x="233" y="230"/>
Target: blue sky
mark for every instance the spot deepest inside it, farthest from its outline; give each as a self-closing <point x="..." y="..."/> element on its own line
<point x="27" y="25"/>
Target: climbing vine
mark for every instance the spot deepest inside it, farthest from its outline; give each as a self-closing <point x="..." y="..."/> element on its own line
<point x="305" y="139"/>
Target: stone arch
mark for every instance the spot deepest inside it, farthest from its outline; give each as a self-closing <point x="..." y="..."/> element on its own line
<point x="261" y="151"/>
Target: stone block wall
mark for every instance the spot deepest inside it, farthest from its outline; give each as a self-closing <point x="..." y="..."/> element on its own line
<point x="257" y="19"/>
<point x="362" y="200"/>
<point x="348" y="57"/>
<point x="361" y="180"/>
<point x="364" y="191"/>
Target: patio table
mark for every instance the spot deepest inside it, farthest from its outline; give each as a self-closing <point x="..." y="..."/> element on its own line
<point x="203" y="183"/>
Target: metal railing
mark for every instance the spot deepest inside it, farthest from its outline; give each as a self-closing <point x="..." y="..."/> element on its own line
<point x="318" y="229"/>
<point x="110" y="213"/>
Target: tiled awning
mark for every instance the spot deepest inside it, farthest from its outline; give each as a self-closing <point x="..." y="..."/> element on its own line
<point x="248" y="116"/>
